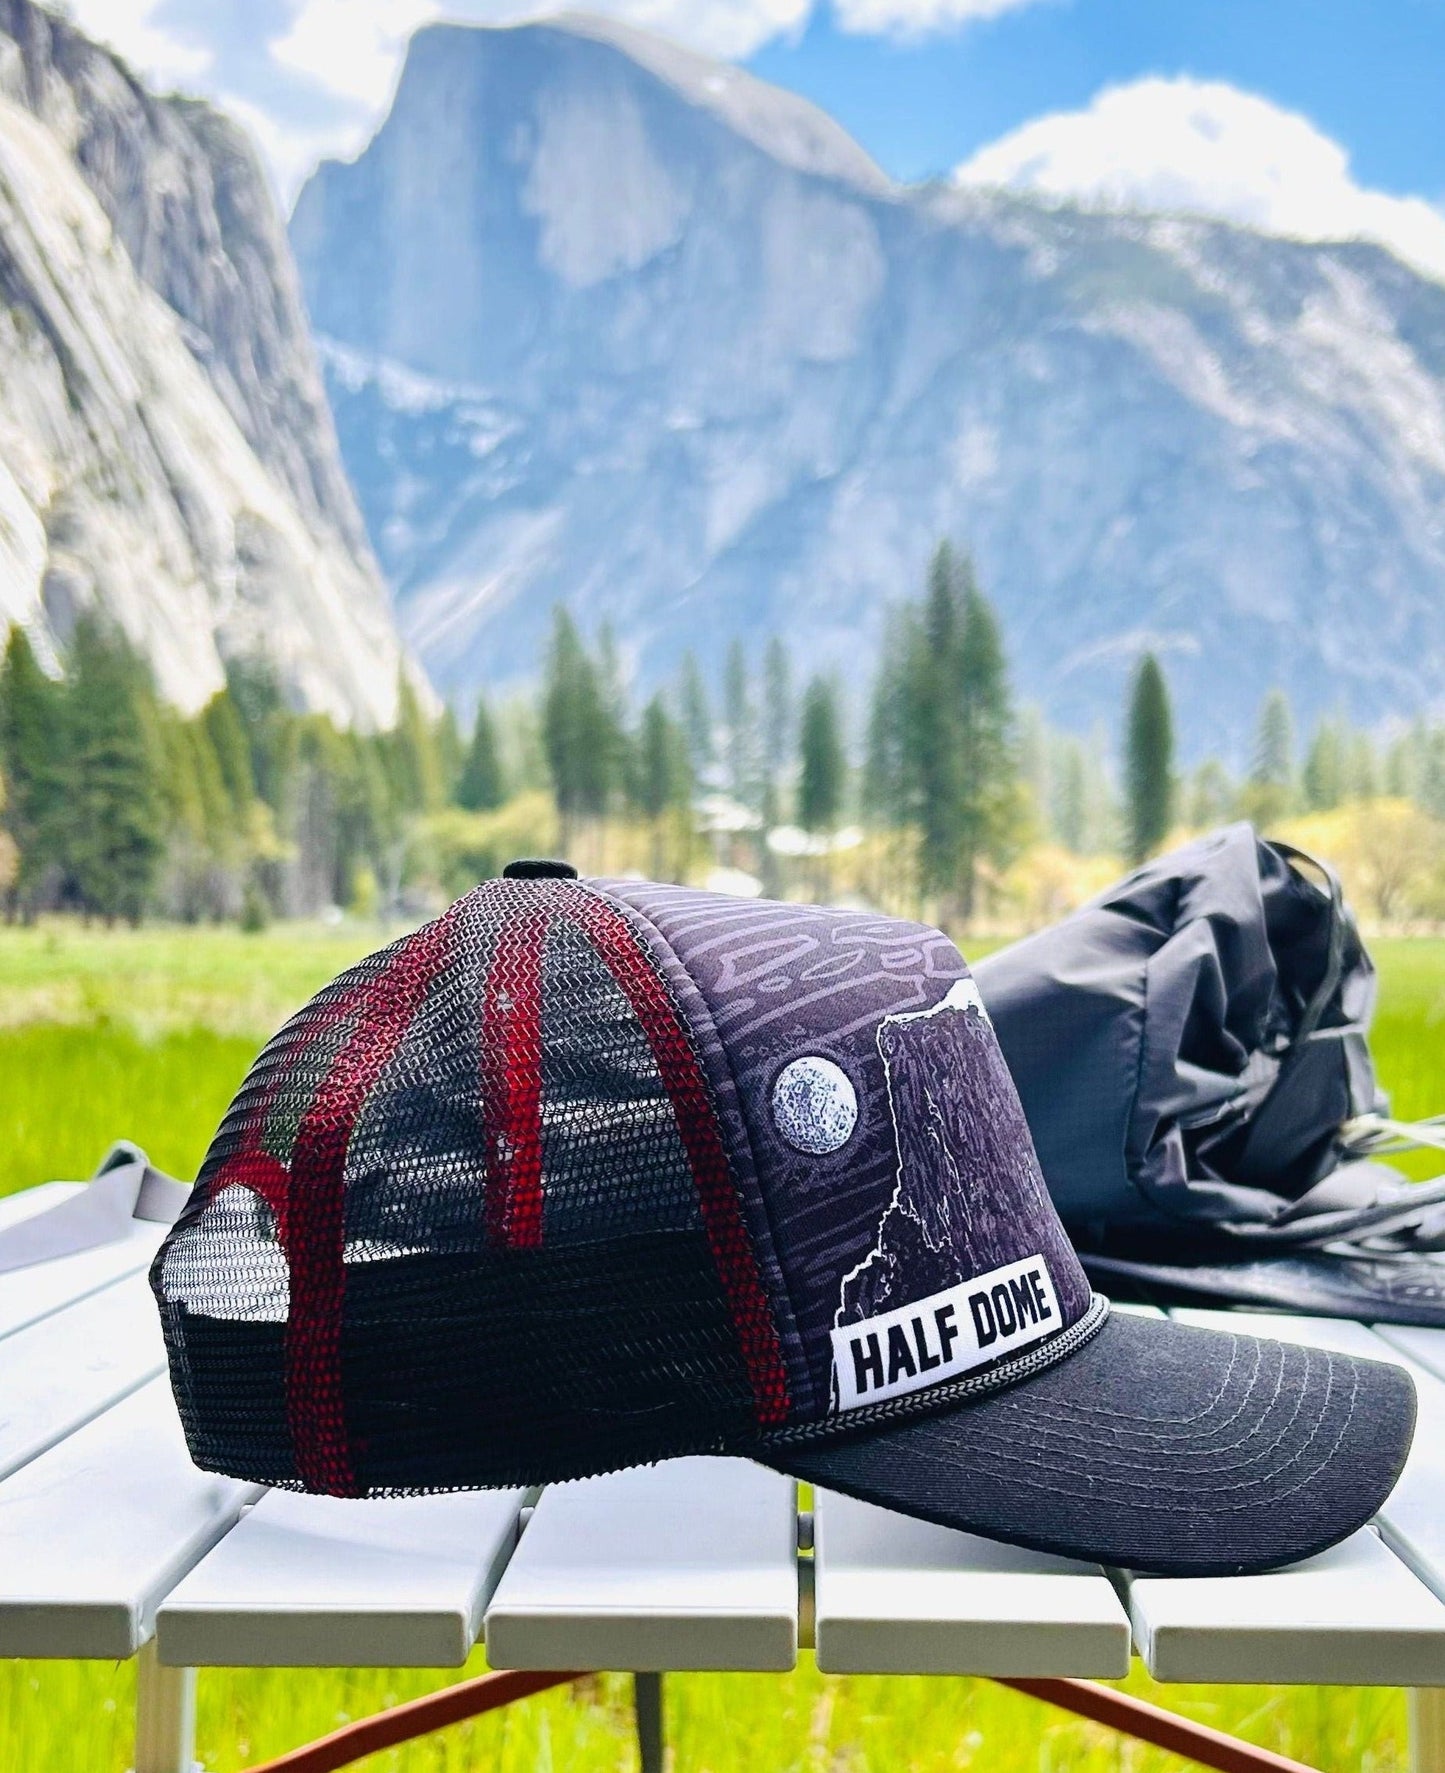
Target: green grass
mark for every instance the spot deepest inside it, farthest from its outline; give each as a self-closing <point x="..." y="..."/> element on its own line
<point x="71" y="1717"/>
<point x="146" y="1035"/>
<point x="153" y="980"/>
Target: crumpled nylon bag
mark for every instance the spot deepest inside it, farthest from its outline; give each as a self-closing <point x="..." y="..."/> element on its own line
<point x="1191" y="1050"/>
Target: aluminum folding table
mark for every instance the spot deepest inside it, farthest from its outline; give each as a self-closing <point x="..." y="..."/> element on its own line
<point x="113" y="1545"/>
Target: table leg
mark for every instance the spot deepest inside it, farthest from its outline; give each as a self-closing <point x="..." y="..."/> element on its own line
<point x="1427" y="1730"/>
<point x="165" y="1715"/>
<point x="647" y="1704"/>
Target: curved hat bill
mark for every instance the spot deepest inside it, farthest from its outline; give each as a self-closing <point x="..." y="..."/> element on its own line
<point x="1155" y="1447"/>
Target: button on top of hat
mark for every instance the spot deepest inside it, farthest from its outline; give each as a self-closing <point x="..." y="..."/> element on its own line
<point x="539" y="868"/>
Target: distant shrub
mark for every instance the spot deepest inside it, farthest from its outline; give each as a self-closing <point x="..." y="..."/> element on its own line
<point x="255" y="912"/>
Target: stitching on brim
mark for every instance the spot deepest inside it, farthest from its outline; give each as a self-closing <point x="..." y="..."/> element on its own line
<point x="1101" y="1478"/>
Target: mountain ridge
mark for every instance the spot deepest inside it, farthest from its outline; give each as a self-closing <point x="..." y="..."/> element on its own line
<point x="696" y="390"/>
<point x="169" y="452"/>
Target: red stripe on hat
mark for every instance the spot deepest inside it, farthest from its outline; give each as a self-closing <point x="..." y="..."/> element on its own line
<point x="757" y="1333"/>
<point x="511" y="1080"/>
<point x="316" y="1236"/>
<point x="251" y="1165"/>
<point x="265" y="1176"/>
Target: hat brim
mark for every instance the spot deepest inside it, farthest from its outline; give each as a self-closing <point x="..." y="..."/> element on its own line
<point x="1156" y="1447"/>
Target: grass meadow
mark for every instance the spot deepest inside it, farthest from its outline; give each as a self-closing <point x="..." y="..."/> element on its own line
<point x="146" y="1035"/>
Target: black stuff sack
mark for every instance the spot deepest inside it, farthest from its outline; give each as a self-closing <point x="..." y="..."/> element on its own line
<point x="1191" y="1049"/>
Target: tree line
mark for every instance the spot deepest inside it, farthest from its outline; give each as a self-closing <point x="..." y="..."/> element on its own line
<point x="929" y="792"/>
<point x="116" y="805"/>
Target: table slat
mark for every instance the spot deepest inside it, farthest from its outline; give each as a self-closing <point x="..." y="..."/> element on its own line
<point x="25" y="1203"/>
<point x="94" y="1532"/>
<point x="29" y="1294"/>
<point x="1412" y="1520"/>
<point x="1425" y="1347"/>
<point x="900" y="1596"/>
<point x="59" y="1373"/>
<point x="316" y="1580"/>
<point x="1353" y="1615"/>
<point x="687" y="1565"/>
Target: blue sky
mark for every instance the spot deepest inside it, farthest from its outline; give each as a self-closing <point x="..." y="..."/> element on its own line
<point x="1368" y="73"/>
<point x="1319" y="118"/>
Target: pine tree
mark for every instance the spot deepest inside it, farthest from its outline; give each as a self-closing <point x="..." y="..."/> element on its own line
<point x="312" y="876"/>
<point x="416" y="767"/>
<point x="370" y="843"/>
<point x="254" y="691"/>
<point x="115" y="812"/>
<point x="205" y="840"/>
<point x="481" y="786"/>
<point x="233" y="755"/>
<point x="823" y="768"/>
<point x="890" y="769"/>
<point x="1148" y="761"/>
<point x="1404" y="762"/>
<point x="1269" y="792"/>
<point x="935" y="726"/>
<point x="777" y="727"/>
<point x="450" y="752"/>
<point x="989" y="807"/>
<point x="613" y="734"/>
<point x="1323" y="779"/>
<point x="941" y="755"/>
<point x="740" y="718"/>
<point x="575" y="728"/>
<point x="696" y="717"/>
<point x="32" y="764"/>
<point x="662" y="783"/>
<point x="1068" y="797"/>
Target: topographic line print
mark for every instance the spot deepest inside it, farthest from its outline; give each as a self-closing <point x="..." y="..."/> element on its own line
<point x="892" y="1005"/>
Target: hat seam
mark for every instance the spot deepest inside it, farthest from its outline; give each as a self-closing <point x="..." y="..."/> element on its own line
<point x="1026" y="1365"/>
<point x="654" y="934"/>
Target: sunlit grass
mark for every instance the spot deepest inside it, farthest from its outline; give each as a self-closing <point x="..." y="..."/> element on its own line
<point x="153" y="980"/>
<point x="145" y="1035"/>
<point x="75" y="1717"/>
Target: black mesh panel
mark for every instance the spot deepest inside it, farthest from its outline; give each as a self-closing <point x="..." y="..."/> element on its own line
<point x="505" y="1277"/>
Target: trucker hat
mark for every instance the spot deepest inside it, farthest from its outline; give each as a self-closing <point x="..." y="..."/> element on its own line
<point x="588" y="1174"/>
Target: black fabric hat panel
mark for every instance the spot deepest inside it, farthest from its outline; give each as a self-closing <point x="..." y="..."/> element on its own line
<point x="586" y="1174"/>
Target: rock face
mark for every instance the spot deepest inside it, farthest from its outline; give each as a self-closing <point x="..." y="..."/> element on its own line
<point x="166" y="450"/>
<point x="604" y="322"/>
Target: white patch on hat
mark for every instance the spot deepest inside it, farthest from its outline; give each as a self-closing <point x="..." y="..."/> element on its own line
<point x="963" y="994"/>
<point x="815" y="1107"/>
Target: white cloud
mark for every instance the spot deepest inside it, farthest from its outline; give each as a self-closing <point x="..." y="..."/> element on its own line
<point x="731" y="29"/>
<point x="916" y="18"/>
<point x="289" y="151"/>
<point x="354" y="48"/>
<point x="129" y="28"/>
<point x="1207" y="147"/>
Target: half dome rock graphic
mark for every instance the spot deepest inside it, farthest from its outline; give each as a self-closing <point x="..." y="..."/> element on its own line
<point x="969" y="1196"/>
